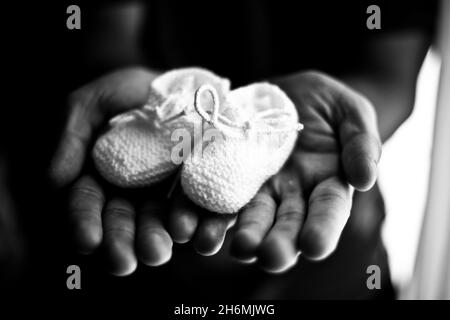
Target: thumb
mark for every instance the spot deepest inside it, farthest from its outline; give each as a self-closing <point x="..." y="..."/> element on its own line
<point x="361" y="145"/>
<point x="88" y="108"/>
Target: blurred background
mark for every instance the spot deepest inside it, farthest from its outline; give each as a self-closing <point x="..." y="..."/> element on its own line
<point x="415" y="179"/>
<point x="403" y="175"/>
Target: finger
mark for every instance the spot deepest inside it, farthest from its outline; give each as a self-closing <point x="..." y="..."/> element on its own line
<point x="154" y="244"/>
<point x="183" y="219"/>
<point x="211" y="232"/>
<point x="279" y="249"/>
<point x="88" y="108"/>
<point x="360" y="157"/>
<point x="86" y="202"/>
<point x="360" y="139"/>
<point x="253" y="224"/>
<point x="119" y="230"/>
<point x="328" y="211"/>
<point x="83" y="117"/>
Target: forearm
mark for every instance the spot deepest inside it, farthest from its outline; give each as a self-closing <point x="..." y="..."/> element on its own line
<point x="388" y="79"/>
<point x="392" y="100"/>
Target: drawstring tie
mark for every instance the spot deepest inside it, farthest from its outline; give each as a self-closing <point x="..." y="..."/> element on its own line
<point x="217" y="120"/>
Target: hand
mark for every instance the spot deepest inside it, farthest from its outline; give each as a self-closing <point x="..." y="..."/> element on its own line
<point x="126" y="225"/>
<point x="305" y="207"/>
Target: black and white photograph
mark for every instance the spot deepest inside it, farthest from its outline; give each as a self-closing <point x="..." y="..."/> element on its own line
<point x="227" y="159"/>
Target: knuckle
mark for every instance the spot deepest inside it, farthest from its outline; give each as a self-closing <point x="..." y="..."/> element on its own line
<point x="151" y="230"/>
<point x="116" y="233"/>
<point x="82" y="105"/>
<point x="85" y="216"/>
<point x="317" y="75"/>
<point x="294" y="203"/>
<point x="83" y="192"/>
<point x="328" y="196"/>
<point x="365" y="107"/>
<point x="79" y="97"/>
<point x="119" y="210"/>
<point x="261" y="200"/>
<point x="251" y="224"/>
<point x="291" y="216"/>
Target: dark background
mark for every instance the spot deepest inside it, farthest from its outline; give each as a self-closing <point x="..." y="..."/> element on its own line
<point x="45" y="61"/>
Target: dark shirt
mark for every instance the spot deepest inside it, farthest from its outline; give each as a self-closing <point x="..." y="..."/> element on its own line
<point x="262" y="39"/>
<point x="244" y="41"/>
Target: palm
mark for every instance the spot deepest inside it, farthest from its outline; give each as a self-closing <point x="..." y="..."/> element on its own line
<point x="338" y="146"/>
<point x="317" y="154"/>
<point x="126" y="225"/>
<point x="305" y="206"/>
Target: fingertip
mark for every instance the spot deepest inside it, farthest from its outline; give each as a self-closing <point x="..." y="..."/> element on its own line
<point x="243" y="245"/>
<point x="154" y="248"/>
<point x="360" y="157"/>
<point x="87" y="237"/>
<point x="210" y="234"/>
<point x="120" y="260"/>
<point x="86" y="201"/>
<point x="58" y="175"/>
<point x="315" y="245"/>
<point x="277" y="255"/>
<point x="328" y="212"/>
<point x="206" y="247"/>
<point x="245" y="261"/>
<point x="182" y="226"/>
<point x="362" y="173"/>
<point x="208" y="242"/>
<point x="127" y="269"/>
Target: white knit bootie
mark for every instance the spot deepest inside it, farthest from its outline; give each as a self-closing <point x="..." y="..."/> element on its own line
<point x="245" y="137"/>
<point x="245" y="150"/>
<point x="136" y="150"/>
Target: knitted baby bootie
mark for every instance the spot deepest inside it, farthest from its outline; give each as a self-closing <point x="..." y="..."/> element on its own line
<point x="245" y="151"/>
<point x="136" y="150"/>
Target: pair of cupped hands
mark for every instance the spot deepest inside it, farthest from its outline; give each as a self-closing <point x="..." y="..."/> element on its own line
<point x="301" y="210"/>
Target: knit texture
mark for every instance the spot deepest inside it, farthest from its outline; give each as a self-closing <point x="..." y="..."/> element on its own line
<point x="136" y="150"/>
<point x="233" y="167"/>
<point x="246" y="136"/>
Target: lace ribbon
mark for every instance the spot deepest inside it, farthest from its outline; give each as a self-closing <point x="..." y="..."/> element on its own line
<point x="217" y="120"/>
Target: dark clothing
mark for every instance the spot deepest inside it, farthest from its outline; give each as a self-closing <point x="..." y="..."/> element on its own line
<point x="261" y="39"/>
<point x="256" y="40"/>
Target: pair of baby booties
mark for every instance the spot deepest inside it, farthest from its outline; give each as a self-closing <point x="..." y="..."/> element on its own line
<point x="226" y="143"/>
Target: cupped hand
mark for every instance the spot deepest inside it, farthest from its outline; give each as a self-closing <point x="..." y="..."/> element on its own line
<point x="124" y="226"/>
<point x="301" y="209"/>
<point x="304" y="208"/>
